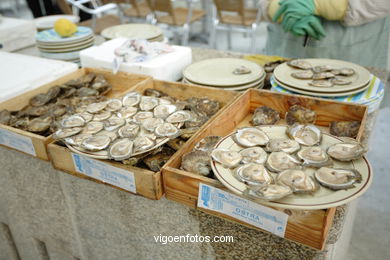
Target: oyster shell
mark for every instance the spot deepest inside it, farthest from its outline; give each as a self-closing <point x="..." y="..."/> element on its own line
<point x="176" y="143"/>
<point x="96" y="143"/>
<point x="250" y="136"/>
<point x="207" y="106"/>
<point x="96" y="107"/>
<point x="76" y="140"/>
<point x="113" y="123"/>
<point x="102" y="115"/>
<point x="143" y="143"/>
<point x="131" y="99"/>
<point x="282" y="145"/>
<point x="87" y="116"/>
<point x="227" y="158"/>
<point x="341" y="81"/>
<point x="86" y="92"/>
<point x="242" y="70"/>
<point x="314" y="156"/>
<point x="297" y="180"/>
<point x="167" y="130"/>
<point x="346" y="72"/>
<point x="37" y="111"/>
<point x="156" y="161"/>
<point x="308" y="135"/>
<point x="59" y="110"/>
<point x="347" y="151"/>
<point x="113" y="105"/>
<point x="112" y="135"/>
<point x="280" y="161"/>
<point x="321" y="83"/>
<point x="305" y="74"/>
<point x="154" y="93"/>
<point x="38" y="125"/>
<point x="151" y="135"/>
<point x="100" y="84"/>
<point x="141" y="116"/>
<point x="66" y="132"/>
<point x="270" y="192"/>
<point x="163" y="111"/>
<point x="344" y="128"/>
<point x="40" y="100"/>
<point x="187" y="133"/>
<point x="300" y="64"/>
<point x="5" y="117"/>
<point x="322" y="68"/>
<point x="151" y="123"/>
<point x="127" y="112"/>
<point x="323" y="75"/>
<point x="253" y="174"/>
<point x="253" y="155"/>
<point x="179" y="117"/>
<point x="265" y="116"/>
<point x="337" y="178"/>
<point x="93" y="127"/>
<point x="197" y="162"/>
<point x="299" y="114"/>
<point x="121" y="149"/>
<point x="148" y="103"/>
<point x="207" y="144"/>
<point x="73" y="121"/>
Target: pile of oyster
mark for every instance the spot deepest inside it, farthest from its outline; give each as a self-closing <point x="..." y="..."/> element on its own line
<point x="323" y="76"/>
<point x="134" y="128"/>
<point x="46" y="109"/>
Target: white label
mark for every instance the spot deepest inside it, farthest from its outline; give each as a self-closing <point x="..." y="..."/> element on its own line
<point x="17" y="141"/>
<point x="104" y="172"/>
<point x="214" y="199"/>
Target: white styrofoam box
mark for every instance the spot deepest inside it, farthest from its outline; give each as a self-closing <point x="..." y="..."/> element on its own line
<point x="21" y="73"/>
<point x="168" y="66"/>
<point x="16" y="33"/>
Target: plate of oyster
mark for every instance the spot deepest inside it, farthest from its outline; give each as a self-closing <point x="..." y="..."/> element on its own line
<point x="295" y="166"/>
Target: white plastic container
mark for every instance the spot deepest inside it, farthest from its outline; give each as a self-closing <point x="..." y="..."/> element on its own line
<point x="16" y="34"/>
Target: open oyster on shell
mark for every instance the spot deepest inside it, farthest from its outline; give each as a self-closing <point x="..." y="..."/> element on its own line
<point x="253" y="155"/>
<point x="76" y="139"/>
<point x="269" y="192"/>
<point x="304" y="74"/>
<point x="265" y="116"/>
<point x="73" y="121"/>
<point x="314" y="156"/>
<point x="126" y="112"/>
<point x="282" y="145"/>
<point x="207" y="144"/>
<point x="102" y="115"/>
<point x="96" y="143"/>
<point x="299" y="114"/>
<point x="152" y="123"/>
<point x="66" y="132"/>
<point x="96" y="107"/>
<point x="113" y="123"/>
<point x="297" y="180"/>
<point x="164" y="110"/>
<point x="250" y="136"/>
<point x="131" y="99"/>
<point x="143" y="143"/>
<point x="179" y="117"/>
<point x="167" y="130"/>
<point x="280" y="161"/>
<point x="148" y="103"/>
<point x="39" y="124"/>
<point x="300" y="64"/>
<point x="196" y="162"/>
<point x="141" y="116"/>
<point x="308" y="135"/>
<point x="129" y="131"/>
<point x="121" y="149"/>
<point x="93" y="127"/>
<point x="253" y="174"/>
<point x="227" y="158"/>
<point x="337" y="178"/>
<point x="347" y="151"/>
<point x="114" y="105"/>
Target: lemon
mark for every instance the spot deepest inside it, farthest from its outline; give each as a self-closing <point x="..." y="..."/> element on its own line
<point x="64" y="27"/>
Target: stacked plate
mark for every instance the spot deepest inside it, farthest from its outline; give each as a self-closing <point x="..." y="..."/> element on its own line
<point x="51" y="45"/>
<point x="359" y="81"/>
<point x="225" y="73"/>
<point x="148" y="32"/>
<point x="47" y="22"/>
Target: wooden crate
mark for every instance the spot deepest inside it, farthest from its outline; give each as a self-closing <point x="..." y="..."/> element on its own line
<point x="148" y="183"/>
<point x="309" y="228"/>
<point x="120" y="82"/>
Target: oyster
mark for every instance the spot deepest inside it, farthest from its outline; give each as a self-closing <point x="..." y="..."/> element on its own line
<point x="141" y="116"/>
<point x="337" y="178"/>
<point x="40" y="100"/>
<point x="127" y="112"/>
<point x="112" y="135"/>
<point x="323" y="75"/>
<point x="151" y="123"/>
<point x="308" y="135"/>
<point x="207" y="106"/>
<point x="305" y="74"/>
<point x="344" y="128"/>
<point x="282" y="145"/>
<point x="347" y="151"/>
<point x="86" y="92"/>
<point x="179" y="117"/>
<point x="197" y="120"/>
<point x="314" y="156"/>
<point x="66" y="132"/>
<point x="297" y="180"/>
<point x="341" y="81"/>
<point x="53" y="92"/>
<point x="121" y="149"/>
<point x="253" y="174"/>
<point x="167" y="130"/>
<point x="96" y="143"/>
<point x="100" y="84"/>
<point x="196" y="162"/>
<point x="346" y="72"/>
<point x="73" y="121"/>
<point x="76" y="140"/>
<point x="265" y="116"/>
<point x="250" y="136"/>
<point x="113" y="105"/>
<point x="58" y="110"/>
<point x="241" y="70"/>
<point x="131" y="99"/>
<point x="37" y="111"/>
<point x="151" y="135"/>
<point x="253" y="155"/>
<point x="154" y="93"/>
<point x="270" y="192"/>
<point x="148" y="103"/>
<point x="156" y="161"/>
<point x="299" y="114"/>
<point x="187" y="133"/>
<point x="102" y="115"/>
<point x="227" y="158"/>
<point x="322" y="68"/>
<point x="280" y="161"/>
<point x="38" y="125"/>
<point x="96" y="107"/>
<point x="143" y="143"/>
<point x="5" y="117"/>
<point x="86" y="116"/>
<point x="163" y="111"/>
<point x="300" y="64"/>
<point x="321" y="83"/>
<point x="113" y="123"/>
<point x="207" y="144"/>
<point x="176" y="143"/>
<point x="93" y="127"/>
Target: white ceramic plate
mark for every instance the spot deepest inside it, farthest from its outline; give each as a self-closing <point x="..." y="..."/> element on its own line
<point x="63" y="50"/>
<point x="242" y="87"/>
<point x="132" y="31"/>
<point x="50" y="37"/>
<point x="66" y="45"/>
<point x="321" y="199"/>
<point x="282" y="73"/>
<point x="219" y="72"/>
<point x="61" y="56"/>
<point x="47" y="22"/>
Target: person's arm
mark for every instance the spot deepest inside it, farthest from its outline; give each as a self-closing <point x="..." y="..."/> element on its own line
<point x="364" y="11"/>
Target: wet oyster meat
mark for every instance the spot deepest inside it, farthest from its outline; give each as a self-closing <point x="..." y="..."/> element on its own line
<point x="344" y="128"/>
<point x="269" y="192"/>
<point x="96" y="143"/>
<point x="305" y="74"/>
<point x="250" y="136"/>
<point x="299" y="114"/>
<point x="66" y="132"/>
<point x="300" y="64"/>
<point x="227" y="158"/>
<point x="314" y="156"/>
<point x="253" y="155"/>
<point x="197" y="162"/>
<point x="337" y="178"/>
<point x="347" y="151"/>
<point x="321" y="83"/>
<point x="280" y="161"/>
<point x="308" y="135"/>
<point x="73" y="121"/>
<point x="297" y="180"/>
<point x="207" y="144"/>
<point x="93" y="127"/>
<point x="265" y="116"/>
<point x="121" y="149"/>
<point x="167" y="130"/>
<point x="282" y="145"/>
<point x="253" y="174"/>
<point x="164" y="110"/>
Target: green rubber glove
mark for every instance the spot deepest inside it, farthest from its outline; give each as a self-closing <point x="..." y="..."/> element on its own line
<point x="298" y="8"/>
<point x="309" y="25"/>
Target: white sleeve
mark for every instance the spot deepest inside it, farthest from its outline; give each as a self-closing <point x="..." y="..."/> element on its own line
<point x="363" y="11"/>
<point x="264" y="5"/>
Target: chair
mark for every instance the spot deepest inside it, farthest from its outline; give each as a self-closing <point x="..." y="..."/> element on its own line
<point x="179" y="18"/>
<point x="139" y="9"/>
<point x="232" y="14"/>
